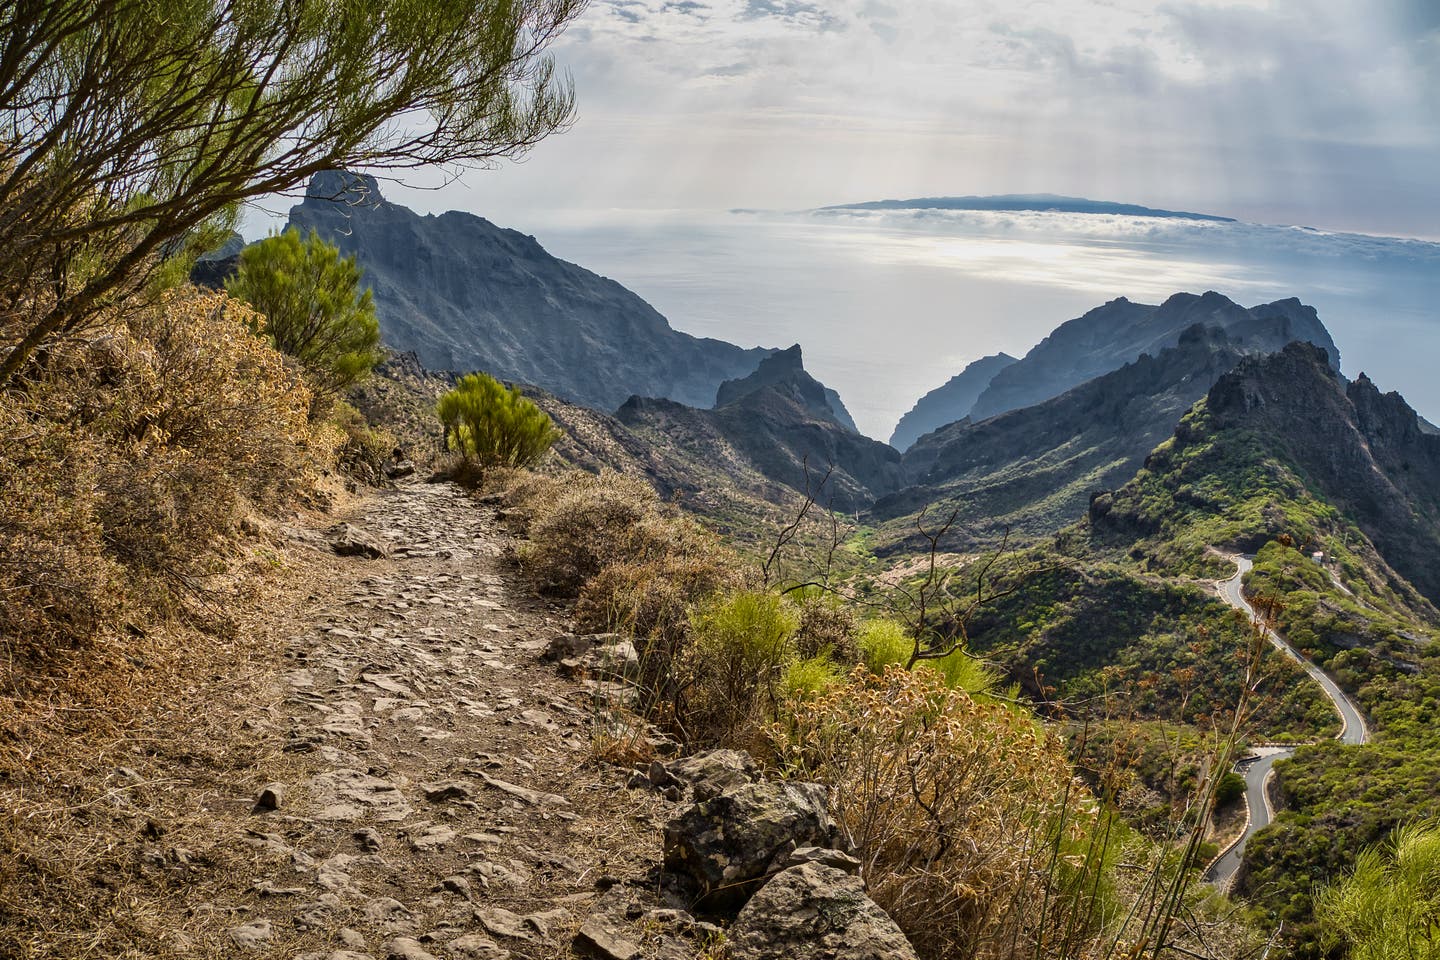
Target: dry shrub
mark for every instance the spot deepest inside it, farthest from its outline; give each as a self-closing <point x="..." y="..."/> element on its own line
<point x="590" y="522"/>
<point x="827" y="628"/>
<point x="950" y="802"/>
<point x="364" y="450"/>
<point x="127" y="464"/>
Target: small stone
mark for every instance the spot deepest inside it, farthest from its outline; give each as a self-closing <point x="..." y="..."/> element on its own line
<point x="351" y="938"/>
<point x="821" y="855"/>
<point x="608" y="938"/>
<point x="271" y="797"/>
<point x="404" y="948"/>
<point x="367" y="839"/>
<point x="502" y="923"/>
<point x="432" y="838"/>
<point x="473" y="946"/>
<point x="458" y="885"/>
<point x="385" y="909"/>
<point x="255" y="935"/>
<point x="449" y="790"/>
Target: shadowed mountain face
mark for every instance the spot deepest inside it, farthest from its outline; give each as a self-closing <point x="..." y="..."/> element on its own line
<point x="782" y="424"/>
<point x="948" y="403"/>
<point x="1031" y="471"/>
<point x="1120" y="331"/>
<point x="464" y="294"/>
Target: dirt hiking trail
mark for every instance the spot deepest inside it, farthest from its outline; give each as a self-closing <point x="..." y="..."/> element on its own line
<point x="423" y="784"/>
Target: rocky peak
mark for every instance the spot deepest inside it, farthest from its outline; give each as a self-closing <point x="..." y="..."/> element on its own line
<point x="343" y="186"/>
<point x="783" y="372"/>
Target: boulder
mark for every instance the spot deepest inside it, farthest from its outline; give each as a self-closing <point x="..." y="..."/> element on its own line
<point x="347" y="541"/>
<point x="724" y="845"/>
<point x="815" y="912"/>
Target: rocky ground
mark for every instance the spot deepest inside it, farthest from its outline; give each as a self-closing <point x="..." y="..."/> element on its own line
<point x="420" y="775"/>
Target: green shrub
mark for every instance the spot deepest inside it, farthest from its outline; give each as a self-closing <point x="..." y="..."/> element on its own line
<point x="314" y="308"/>
<point x="1230" y="789"/>
<point x="740" y="645"/>
<point x="810" y="678"/>
<point x="884" y="643"/>
<point x="493" y="425"/>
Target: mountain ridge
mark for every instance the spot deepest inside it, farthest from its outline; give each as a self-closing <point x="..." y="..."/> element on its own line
<point x="465" y="294"/>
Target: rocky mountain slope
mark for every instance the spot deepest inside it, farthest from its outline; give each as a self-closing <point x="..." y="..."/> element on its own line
<point x="775" y="425"/>
<point x="1118" y="332"/>
<point x="466" y="295"/>
<point x="1283" y="429"/>
<point x="950" y="402"/>
<point x="785" y="371"/>
<point x="1032" y="470"/>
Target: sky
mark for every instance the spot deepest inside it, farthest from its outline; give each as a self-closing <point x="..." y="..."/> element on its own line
<point x="1317" y="112"/>
<point x="1320" y="113"/>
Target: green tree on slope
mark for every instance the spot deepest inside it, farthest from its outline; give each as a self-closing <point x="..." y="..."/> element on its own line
<point x="314" y="308"/>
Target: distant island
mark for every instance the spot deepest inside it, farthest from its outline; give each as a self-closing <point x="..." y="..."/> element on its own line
<point x="1037" y="202"/>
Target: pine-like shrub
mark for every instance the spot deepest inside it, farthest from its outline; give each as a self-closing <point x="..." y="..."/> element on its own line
<point x="314" y="308"/>
<point x="492" y="425"/>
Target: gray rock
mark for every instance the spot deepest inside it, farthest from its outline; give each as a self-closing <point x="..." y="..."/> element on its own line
<point x="710" y="773"/>
<point x="400" y="470"/>
<point x="347" y="541"/>
<point x="609" y="938"/>
<point x="404" y="948"/>
<point x="255" y="935"/>
<point x="725" y="844"/>
<point x="449" y="790"/>
<point x="815" y="912"/>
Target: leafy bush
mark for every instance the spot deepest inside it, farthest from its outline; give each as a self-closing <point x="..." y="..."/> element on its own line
<point x="493" y="425"/>
<point x="883" y="644"/>
<point x="313" y="306"/>
<point x="1385" y="908"/>
<point x="827" y="628"/>
<point x="810" y="678"/>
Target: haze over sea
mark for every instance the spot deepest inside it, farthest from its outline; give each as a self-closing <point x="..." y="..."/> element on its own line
<point x="890" y="304"/>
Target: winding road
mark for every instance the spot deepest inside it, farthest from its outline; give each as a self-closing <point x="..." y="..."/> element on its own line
<point x="1258" y="767"/>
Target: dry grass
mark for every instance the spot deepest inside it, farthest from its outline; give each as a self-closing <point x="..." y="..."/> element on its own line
<point x="105" y="779"/>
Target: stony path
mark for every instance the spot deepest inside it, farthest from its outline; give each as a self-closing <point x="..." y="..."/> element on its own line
<point x="431" y="779"/>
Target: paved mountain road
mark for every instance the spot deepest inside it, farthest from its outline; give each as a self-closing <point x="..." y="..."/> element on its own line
<point x="1257" y="769"/>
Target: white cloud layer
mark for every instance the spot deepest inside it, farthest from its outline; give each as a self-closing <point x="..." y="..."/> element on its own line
<point x="1324" y="112"/>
